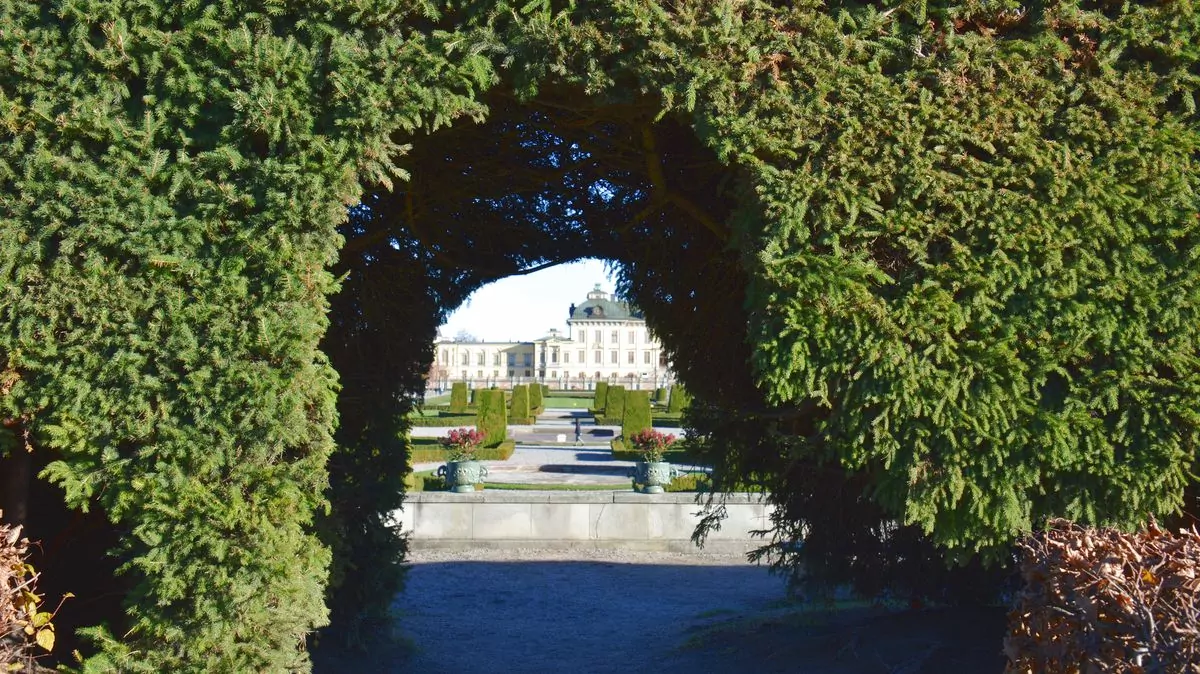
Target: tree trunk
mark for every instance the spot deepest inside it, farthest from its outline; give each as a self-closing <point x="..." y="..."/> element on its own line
<point x="14" y="486"/>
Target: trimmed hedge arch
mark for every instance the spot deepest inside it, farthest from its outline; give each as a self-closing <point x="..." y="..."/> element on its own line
<point x="954" y="245"/>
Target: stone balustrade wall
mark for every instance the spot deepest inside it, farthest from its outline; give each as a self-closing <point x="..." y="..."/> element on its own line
<point x="574" y="519"/>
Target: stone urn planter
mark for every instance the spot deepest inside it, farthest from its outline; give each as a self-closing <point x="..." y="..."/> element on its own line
<point x="652" y="472"/>
<point x="462" y="471"/>
<point x="462" y="476"/>
<point x="654" y="475"/>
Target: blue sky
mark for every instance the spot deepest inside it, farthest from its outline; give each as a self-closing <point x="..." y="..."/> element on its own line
<point x="523" y="308"/>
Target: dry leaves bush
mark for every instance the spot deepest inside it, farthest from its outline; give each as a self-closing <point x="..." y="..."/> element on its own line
<point x="1101" y="601"/>
<point x="24" y="629"/>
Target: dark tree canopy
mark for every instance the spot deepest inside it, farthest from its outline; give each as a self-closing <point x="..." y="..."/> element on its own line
<point x="950" y="249"/>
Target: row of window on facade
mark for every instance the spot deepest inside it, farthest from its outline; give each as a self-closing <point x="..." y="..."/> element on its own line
<point x="613" y="338"/>
<point x="581" y="355"/>
<point x="554" y="374"/>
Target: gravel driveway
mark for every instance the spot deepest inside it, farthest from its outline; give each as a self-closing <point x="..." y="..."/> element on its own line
<point x="564" y="611"/>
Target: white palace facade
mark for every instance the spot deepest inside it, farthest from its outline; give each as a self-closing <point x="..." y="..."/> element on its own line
<point x="606" y="340"/>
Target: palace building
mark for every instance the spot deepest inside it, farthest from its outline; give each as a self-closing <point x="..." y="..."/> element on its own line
<point x="606" y="340"/>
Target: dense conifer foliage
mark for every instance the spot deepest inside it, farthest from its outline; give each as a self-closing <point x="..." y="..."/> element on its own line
<point x="951" y="249"/>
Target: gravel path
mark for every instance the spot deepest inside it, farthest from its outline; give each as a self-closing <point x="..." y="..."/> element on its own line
<point x="564" y="611"/>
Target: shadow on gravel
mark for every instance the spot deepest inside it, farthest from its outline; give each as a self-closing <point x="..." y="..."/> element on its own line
<point x="557" y="616"/>
<point x="584" y="469"/>
<point x="608" y="616"/>
<point x="593" y="456"/>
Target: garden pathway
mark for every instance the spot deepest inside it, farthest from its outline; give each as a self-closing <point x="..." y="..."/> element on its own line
<point x="541" y="458"/>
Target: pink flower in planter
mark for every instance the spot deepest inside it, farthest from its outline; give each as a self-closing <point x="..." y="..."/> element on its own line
<point x="461" y="443"/>
<point x="652" y="444"/>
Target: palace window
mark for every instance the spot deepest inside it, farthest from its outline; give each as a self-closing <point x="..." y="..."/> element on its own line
<point x="512" y="359"/>
<point x="528" y="360"/>
<point x="599" y="336"/>
<point x="479" y="374"/>
<point x="629" y="359"/>
<point x="583" y="336"/>
<point x="633" y="336"/>
<point x="566" y="356"/>
<point x="616" y="336"/>
<point x="481" y="360"/>
<point x="466" y="358"/>
<point x="496" y="359"/>
<point x="599" y="357"/>
<point x="646" y="356"/>
<point x="445" y="356"/>
<point x="612" y="357"/>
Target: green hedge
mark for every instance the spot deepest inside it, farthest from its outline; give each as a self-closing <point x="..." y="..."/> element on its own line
<point x="614" y="404"/>
<point x="601" y="396"/>
<point x="679" y="456"/>
<point x="492" y="418"/>
<point x="689" y="482"/>
<point x="427" y="453"/>
<point x="535" y="399"/>
<point x="660" y="395"/>
<point x="680" y="399"/>
<point x="458" y="397"/>
<point x="518" y="407"/>
<point x="446" y="420"/>
<point x="636" y="413"/>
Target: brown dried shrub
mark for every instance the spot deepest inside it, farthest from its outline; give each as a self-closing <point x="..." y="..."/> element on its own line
<point x="24" y="629"/>
<point x="1101" y="601"/>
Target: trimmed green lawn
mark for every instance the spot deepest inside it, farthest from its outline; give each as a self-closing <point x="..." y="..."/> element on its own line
<point x="570" y="403"/>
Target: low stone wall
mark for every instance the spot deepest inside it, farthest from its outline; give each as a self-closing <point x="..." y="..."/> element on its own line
<point x="579" y="519"/>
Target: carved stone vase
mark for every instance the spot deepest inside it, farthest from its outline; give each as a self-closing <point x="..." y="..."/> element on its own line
<point x="462" y="476"/>
<point x="653" y="475"/>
